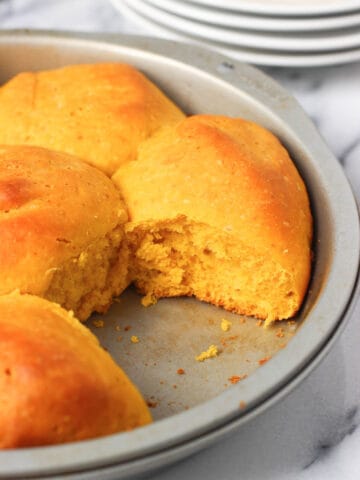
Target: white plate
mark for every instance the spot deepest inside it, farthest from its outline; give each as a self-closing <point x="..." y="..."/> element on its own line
<point x="251" y="22"/>
<point x="332" y="40"/>
<point x="284" y="7"/>
<point x="246" y="55"/>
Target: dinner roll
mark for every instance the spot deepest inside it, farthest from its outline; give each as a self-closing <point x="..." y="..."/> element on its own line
<point x="61" y="230"/>
<point x="218" y="210"/>
<point x="97" y="112"/>
<point x="56" y="382"/>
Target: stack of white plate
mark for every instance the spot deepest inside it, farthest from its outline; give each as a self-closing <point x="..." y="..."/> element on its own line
<point x="265" y="32"/>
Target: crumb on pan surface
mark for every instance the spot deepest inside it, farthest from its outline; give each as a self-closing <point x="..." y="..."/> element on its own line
<point x="236" y="378"/>
<point x="264" y="360"/>
<point x="211" y="352"/>
<point x="148" y="300"/>
<point x="98" y="323"/>
<point x="225" y="325"/>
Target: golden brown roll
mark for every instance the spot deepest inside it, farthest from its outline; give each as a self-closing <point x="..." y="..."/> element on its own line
<point x="61" y="230"/>
<point x="56" y="382"/>
<point x="98" y="112"/>
<point x="218" y="210"/>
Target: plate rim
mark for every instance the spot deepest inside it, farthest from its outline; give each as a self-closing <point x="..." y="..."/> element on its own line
<point x="230" y="37"/>
<point x="281" y="9"/>
<point x="246" y="20"/>
<point x="252" y="56"/>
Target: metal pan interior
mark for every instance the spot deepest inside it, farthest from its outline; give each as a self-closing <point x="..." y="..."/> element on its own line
<point x="172" y="332"/>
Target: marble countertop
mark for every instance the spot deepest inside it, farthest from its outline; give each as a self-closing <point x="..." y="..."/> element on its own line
<point x="290" y="441"/>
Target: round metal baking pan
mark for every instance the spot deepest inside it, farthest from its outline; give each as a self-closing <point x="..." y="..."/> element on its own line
<point x="199" y="407"/>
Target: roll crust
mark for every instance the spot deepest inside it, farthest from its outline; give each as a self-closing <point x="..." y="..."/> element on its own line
<point x="99" y="113"/>
<point x="58" y="218"/>
<point x="56" y="383"/>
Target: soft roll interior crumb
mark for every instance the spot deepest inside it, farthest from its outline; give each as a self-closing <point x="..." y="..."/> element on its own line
<point x="89" y="281"/>
<point x="183" y="257"/>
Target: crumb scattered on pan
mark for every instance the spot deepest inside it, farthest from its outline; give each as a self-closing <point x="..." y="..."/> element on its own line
<point x="117" y="328"/>
<point x="280" y="333"/>
<point x="259" y="323"/>
<point x="148" y="300"/>
<point x="237" y="378"/>
<point x="223" y="342"/>
<point x="211" y="352"/>
<point x="127" y="328"/>
<point x="242" y="320"/>
<point x="151" y="404"/>
<point x="134" y="339"/>
<point x="292" y="325"/>
<point x="264" y="360"/>
<point x="242" y="404"/>
<point x="174" y="386"/>
<point x="119" y="338"/>
<point x="225" y="325"/>
<point x="98" y="323"/>
<point x="180" y="371"/>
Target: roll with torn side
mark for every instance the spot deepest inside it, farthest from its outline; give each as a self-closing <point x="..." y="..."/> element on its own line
<point x="61" y="230"/>
<point x="218" y="210"/>
<point x="57" y="384"/>
<point x="98" y="112"/>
